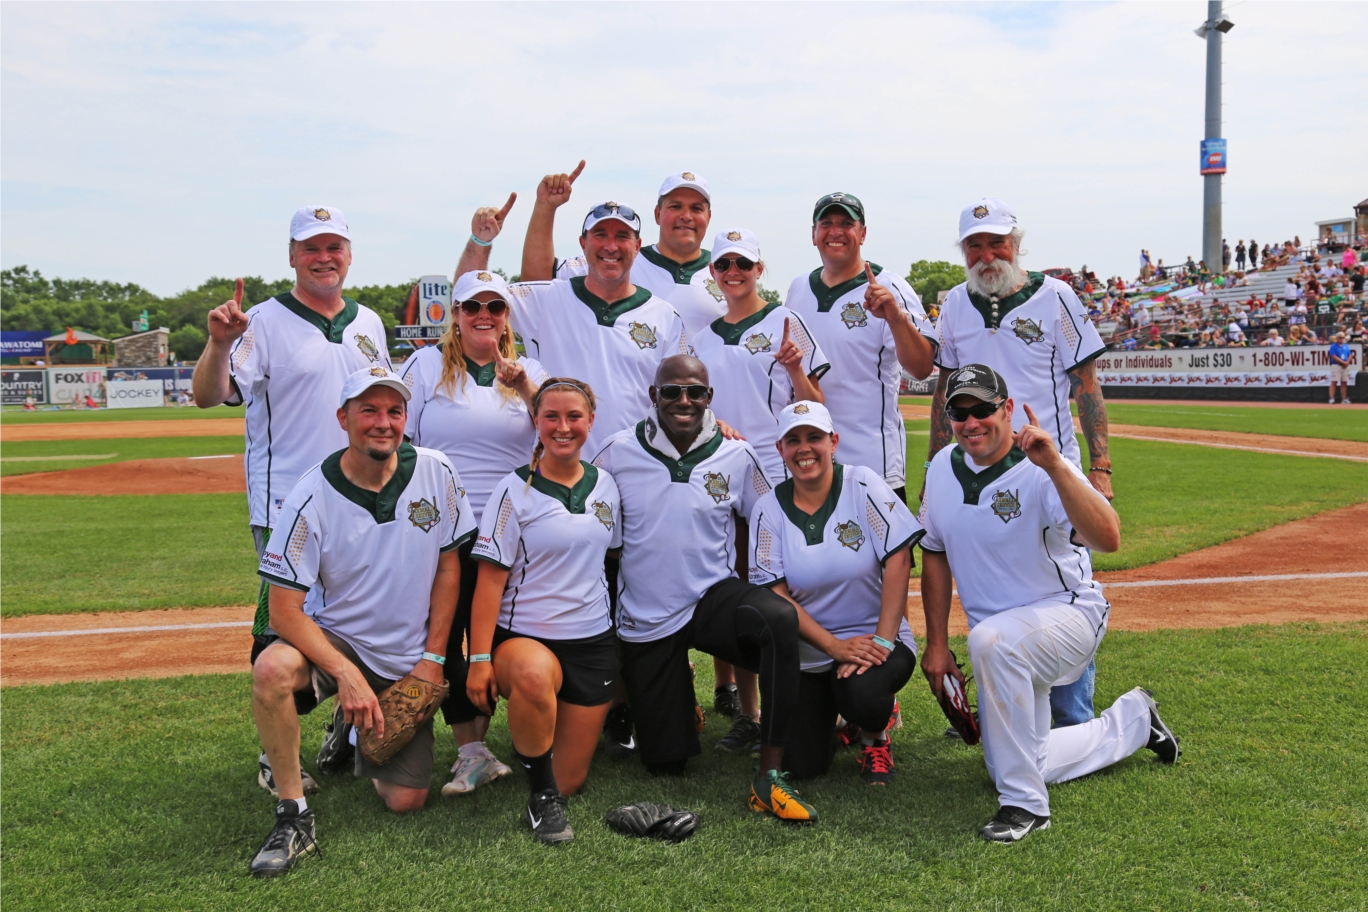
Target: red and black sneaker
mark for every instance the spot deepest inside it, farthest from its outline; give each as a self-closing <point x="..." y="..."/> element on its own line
<point x="848" y="734"/>
<point x="876" y="764"/>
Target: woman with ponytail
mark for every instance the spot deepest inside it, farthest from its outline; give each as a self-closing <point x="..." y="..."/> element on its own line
<point x="470" y="400"/>
<point x="540" y="629"/>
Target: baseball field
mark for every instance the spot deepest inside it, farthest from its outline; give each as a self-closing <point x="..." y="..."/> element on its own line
<point x="1240" y="597"/>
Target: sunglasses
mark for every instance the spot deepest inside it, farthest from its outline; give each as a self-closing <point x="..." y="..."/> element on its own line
<point x="614" y="210"/>
<point x="497" y="307"/>
<point x="672" y="391"/>
<point x="725" y="263"/>
<point x="980" y="411"/>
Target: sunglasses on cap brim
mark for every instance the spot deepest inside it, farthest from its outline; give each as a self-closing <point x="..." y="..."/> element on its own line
<point x="625" y="213"/>
<point x="979" y="410"/>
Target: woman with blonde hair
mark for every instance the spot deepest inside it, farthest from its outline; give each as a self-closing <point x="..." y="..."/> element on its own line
<point x="541" y="635"/>
<point x="471" y="393"/>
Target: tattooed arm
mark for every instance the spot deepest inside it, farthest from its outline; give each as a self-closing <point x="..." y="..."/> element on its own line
<point x="1092" y="414"/>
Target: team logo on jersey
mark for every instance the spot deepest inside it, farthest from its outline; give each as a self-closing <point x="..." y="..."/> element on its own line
<point x="323" y="215"/>
<point x="710" y="286"/>
<point x="718" y="486"/>
<point x="801" y="409"/>
<point x="733" y="235"/>
<point x="1028" y="331"/>
<point x="980" y="212"/>
<point x="424" y="514"/>
<point x="758" y="343"/>
<point x="644" y="336"/>
<point x="853" y="315"/>
<point x="1006" y="506"/>
<point x="890" y="505"/>
<point x="603" y="513"/>
<point x="688" y="176"/>
<point x="484" y="277"/>
<point x="368" y="348"/>
<point x="850" y="534"/>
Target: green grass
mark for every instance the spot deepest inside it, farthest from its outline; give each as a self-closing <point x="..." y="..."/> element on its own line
<point x="1331" y="423"/>
<point x="15" y="415"/>
<point x="147" y="799"/>
<point x="119" y="553"/>
<point x="118" y="449"/>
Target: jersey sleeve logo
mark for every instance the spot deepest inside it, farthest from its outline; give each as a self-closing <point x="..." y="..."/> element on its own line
<point x="710" y="285"/>
<point x="424" y="514"/>
<point x="718" y="486"/>
<point x="853" y="315"/>
<point x="644" y="336"/>
<point x="368" y="347"/>
<point x="850" y="534"/>
<point x="1006" y="505"/>
<point x="1028" y="331"/>
<point x="759" y="342"/>
<point x="603" y="513"/>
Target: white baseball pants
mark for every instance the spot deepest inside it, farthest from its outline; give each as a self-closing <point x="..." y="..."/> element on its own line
<point x="1018" y="655"/>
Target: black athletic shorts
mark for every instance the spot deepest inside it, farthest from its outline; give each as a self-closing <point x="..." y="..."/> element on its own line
<point x="589" y="667"/>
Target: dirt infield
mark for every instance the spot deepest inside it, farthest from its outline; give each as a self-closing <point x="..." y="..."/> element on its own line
<point x="192" y="475"/>
<point x="102" y="430"/>
<point x="219" y="640"/>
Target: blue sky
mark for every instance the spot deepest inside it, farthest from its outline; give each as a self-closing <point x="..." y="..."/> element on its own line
<point x="162" y="143"/>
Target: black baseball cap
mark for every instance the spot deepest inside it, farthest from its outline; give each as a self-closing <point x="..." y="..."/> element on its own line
<point x="977" y="380"/>
<point x="846" y="202"/>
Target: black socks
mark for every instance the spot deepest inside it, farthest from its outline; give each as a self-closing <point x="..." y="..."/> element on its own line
<point x="539" y="773"/>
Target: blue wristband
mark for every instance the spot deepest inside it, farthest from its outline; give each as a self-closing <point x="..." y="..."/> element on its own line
<point x="434" y="657"/>
<point x="884" y="643"/>
<point x="481" y="657"/>
<point x="480" y="243"/>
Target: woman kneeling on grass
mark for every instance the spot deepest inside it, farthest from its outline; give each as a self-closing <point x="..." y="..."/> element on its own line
<point x="835" y="540"/>
<point x="540" y="629"/>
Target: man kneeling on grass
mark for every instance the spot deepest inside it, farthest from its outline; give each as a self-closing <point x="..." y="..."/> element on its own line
<point x="364" y="577"/>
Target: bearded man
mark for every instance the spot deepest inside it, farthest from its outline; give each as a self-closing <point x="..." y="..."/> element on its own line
<point x="1037" y="335"/>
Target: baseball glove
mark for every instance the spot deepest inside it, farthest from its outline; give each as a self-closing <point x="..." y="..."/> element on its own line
<point x="659" y="821"/>
<point x="407" y="705"/>
<point x="954" y="702"/>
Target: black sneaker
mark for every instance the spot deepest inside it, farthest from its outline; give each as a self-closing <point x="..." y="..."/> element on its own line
<point x="727" y="701"/>
<point x="266" y="778"/>
<point x="1162" y="741"/>
<point x="337" y="752"/>
<point x="291" y="839"/>
<point x="546" y="816"/>
<point x="1012" y="824"/>
<point x="618" y="742"/>
<point x="744" y="732"/>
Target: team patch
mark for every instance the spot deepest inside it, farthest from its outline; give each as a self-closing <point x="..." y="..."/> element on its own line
<point x="424" y="514"/>
<point x="323" y="215"/>
<point x="644" y="336"/>
<point x="688" y="175"/>
<point x="853" y="315"/>
<point x="758" y="343"/>
<point x="718" y="486"/>
<point x="378" y="372"/>
<point x="980" y="212"/>
<point x="733" y="235"/>
<point x="484" y="277"/>
<point x="1006" y="506"/>
<point x="603" y="513"/>
<point x="1028" y="330"/>
<point x="711" y="287"/>
<point x="801" y="409"/>
<point x="850" y="534"/>
<point x="368" y="347"/>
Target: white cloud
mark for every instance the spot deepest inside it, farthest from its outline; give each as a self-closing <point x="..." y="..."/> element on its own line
<point x="161" y="143"/>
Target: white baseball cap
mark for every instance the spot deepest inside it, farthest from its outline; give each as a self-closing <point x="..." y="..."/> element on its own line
<point x="315" y="220"/>
<point x="736" y="240"/>
<point x="685" y="179"/>
<point x="611" y="210"/>
<point x="472" y="283"/>
<point x="366" y="377"/>
<point x="805" y="413"/>
<point x="987" y="215"/>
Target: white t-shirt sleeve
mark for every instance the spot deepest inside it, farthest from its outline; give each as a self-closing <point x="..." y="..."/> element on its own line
<point x="604" y="459"/>
<point x="525" y="302"/>
<point x="1049" y="496"/>
<point x="291" y="557"/>
<point x="247" y="364"/>
<point x="946" y="356"/>
<point x="497" y="540"/>
<point x="887" y="521"/>
<point x="1077" y="336"/>
<point x="767" y="542"/>
<point x="575" y="266"/>
<point x="535" y="372"/>
<point x="616" y="541"/>
<point x="907" y="298"/>
<point x="460" y="518"/>
<point x="756" y="485"/>
<point x="420" y="384"/>
<point x="930" y="540"/>
<point x="677" y="336"/>
<point x="815" y="363"/>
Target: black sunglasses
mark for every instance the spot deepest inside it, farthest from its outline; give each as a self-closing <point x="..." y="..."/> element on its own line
<point x="497" y="307"/>
<point x="614" y="210"/>
<point x="980" y="411"/>
<point x="672" y="391"/>
<point x="725" y="263"/>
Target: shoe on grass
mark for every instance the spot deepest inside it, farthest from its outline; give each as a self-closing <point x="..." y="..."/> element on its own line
<point x="291" y="839"/>
<point x="1012" y="824"/>
<point x="876" y="763"/>
<point x="337" y="753"/>
<point x="546" y="816"/>
<point x="618" y="741"/>
<point x="266" y="779"/>
<point x="469" y="773"/>
<point x="743" y="733"/>
<point x="848" y="734"/>
<point x="772" y="793"/>
<point x="727" y="701"/>
<point x="1161" y="740"/>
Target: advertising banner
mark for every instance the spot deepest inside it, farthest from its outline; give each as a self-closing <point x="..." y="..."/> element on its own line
<point x="20" y="384"/>
<point x="135" y="394"/>
<point x="72" y="384"/>
<point x="1213" y="156"/>
<point x="173" y="379"/>
<point x="434" y="300"/>
<point x="22" y="343"/>
<point x="1274" y="366"/>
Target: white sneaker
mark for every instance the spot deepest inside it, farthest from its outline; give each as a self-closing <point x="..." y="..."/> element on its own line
<point x="266" y="779"/>
<point x="469" y="773"/>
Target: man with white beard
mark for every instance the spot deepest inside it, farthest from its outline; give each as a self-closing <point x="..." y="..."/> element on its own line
<point x="1033" y="330"/>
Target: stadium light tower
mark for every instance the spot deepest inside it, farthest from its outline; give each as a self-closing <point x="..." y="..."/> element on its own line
<point x="1213" y="145"/>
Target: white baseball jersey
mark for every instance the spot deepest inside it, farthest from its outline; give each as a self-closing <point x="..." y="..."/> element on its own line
<point x="861" y="389"/>
<point x="1043" y="333"/>
<point x="288" y="368"/>
<point x="367" y="558"/>
<point x="485" y="433"/>
<point x="832" y="560"/>
<point x="678" y="521"/>
<point x="750" y="388"/>
<point x="688" y="287"/>
<point x="1004" y="530"/>
<point x="615" y="348"/>
<point x="552" y="540"/>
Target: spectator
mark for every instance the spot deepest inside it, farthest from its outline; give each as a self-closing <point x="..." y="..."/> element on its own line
<point x="1240" y="254"/>
<point x="1296" y="313"/>
<point x="1357" y="333"/>
<point x="1273" y="339"/>
<point x="1339" y="369"/>
<point x="30" y="404"/>
<point x="1300" y="335"/>
<point x="1234" y="330"/>
<point x="1204" y="340"/>
<point x="1291" y="292"/>
<point x="1225" y="255"/>
<point x="1253" y="254"/>
<point x="1350" y="258"/>
<point x="1356" y="285"/>
<point x="1156" y="340"/>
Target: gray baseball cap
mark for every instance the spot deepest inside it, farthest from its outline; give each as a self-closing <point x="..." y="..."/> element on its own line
<point x="977" y="380"/>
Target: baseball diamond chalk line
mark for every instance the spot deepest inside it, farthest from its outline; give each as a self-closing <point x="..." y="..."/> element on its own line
<point x="67" y="458"/>
<point x="108" y="630"/>
<point x="1233" y="446"/>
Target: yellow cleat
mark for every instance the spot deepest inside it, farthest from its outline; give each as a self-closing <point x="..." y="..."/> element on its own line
<point x="771" y="793"/>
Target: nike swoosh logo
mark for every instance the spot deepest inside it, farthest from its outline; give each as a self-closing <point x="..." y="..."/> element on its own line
<point x="609" y="681"/>
<point x="1159" y="736"/>
<point x="535" y="822"/>
<point x="1019" y="832"/>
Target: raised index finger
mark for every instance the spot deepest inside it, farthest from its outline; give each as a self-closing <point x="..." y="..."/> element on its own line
<point x="576" y="173"/>
<point x="1030" y="415"/>
<point x="237" y="292"/>
<point x="869" y="274"/>
<point x="512" y="197"/>
<point x="786" y="329"/>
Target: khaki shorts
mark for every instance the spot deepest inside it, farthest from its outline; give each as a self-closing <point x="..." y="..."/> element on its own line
<point x="1339" y="373"/>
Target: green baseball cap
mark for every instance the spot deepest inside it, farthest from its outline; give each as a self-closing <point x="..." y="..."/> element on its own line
<point x="846" y="202"/>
